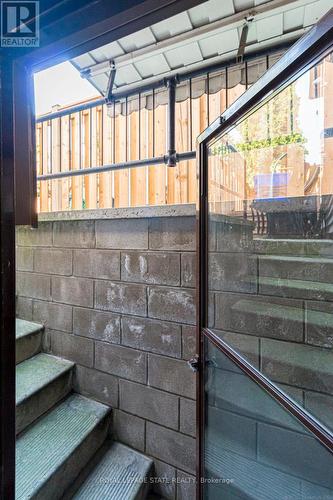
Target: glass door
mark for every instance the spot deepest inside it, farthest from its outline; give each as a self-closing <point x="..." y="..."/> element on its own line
<point x="266" y="331"/>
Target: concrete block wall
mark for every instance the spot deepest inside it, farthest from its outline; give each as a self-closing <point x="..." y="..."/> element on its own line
<point x="272" y="301"/>
<point x="117" y="297"/>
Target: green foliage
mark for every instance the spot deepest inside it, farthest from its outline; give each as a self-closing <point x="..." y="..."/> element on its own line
<point x="272" y="142"/>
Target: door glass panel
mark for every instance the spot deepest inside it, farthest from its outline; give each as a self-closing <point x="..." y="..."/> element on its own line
<point x="255" y="449"/>
<point x="270" y="263"/>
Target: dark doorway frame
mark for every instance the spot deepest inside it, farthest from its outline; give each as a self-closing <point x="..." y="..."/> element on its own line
<point x="298" y="59"/>
<point x="68" y="28"/>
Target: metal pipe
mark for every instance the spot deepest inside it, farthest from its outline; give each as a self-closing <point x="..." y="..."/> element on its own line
<point x="71" y="110"/>
<point x="171" y="154"/>
<point x="189" y="155"/>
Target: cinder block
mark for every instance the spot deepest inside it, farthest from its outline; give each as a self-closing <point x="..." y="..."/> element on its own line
<point x="187" y="417"/>
<point x="24" y="308"/>
<point x="53" y="316"/>
<point x="261" y="316"/>
<point x="234" y="234"/>
<point x="121" y="297"/>
<point x="36" y="286"/>
<point x="188" y="267"/>
<point x="171" y="375"/>
<point x="319" y="323"/>
<point x="97" y="385"/>
<point x="172" y="304"/>
<point x="152" y="268"/>
<point x="164" y="480"/>
<point x="72" y="347"/>
<point x="129" y="430"/>
<point x="41" y="237"/>
<point x="188" y="342"/>
<point x="53" y="261"/>
<point x="150" y="335"/>
<point x="172" y="233"/>
<point x="75" y="291"/>
<point x="233" y="272"/>
<point x="102" y="264"/>
<point x="97" y="325"/>
<point x="24" y="258"/>
<point x="122" y="234"/>
<point x="121" y="361"/>
<point x="186" y="486"/>
<point x="172" y="447"/>
<point x="298" y="365"/>
<point x="149" y="403"/>
<point x="74" y="234"/>
<point x="246" y="345"/>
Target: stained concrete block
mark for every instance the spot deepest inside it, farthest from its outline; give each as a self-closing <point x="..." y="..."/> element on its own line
<point x="233" y="272"/>
<point x="188" y="342"/>
<point x="52" y="315"/>
<point x="97" y="325"/>
<point x="129" y="429"/>
<point x="172" y="304"/>
<point x="319" y="323"/>
<point x="122" y="234"/>
<point x="187" y="417"/>
<point x="261" y="316"/>
<point x="171" y="375"/>
<point x="74" y="234"/>
<point x="164" y="480"/>
<point x="174" y="233"/>
<point x="234" y="235"/>
<point x="41" y="237"/>
<point x="150" y="335"/>
<point x="152" y="268"/>
<point x="102" y="264"/>
<point x="72" y="290"/>
<point x="246" y="345"/>
<point x="77" y="349"/>
<point x="188" y="269"/>
<point x="172" y="447"/>
<point x="24" y="258"/>
<point x="149" y="403"/>
<point x="298" y="365"/>
<point x="186" y="486"/>
<point x="121" y="361"/>
<point x="24" y="308"/>
<point x="36" y="286"/>
<point x="97" y="385"/>
<point x="53" y="261"/>
<point x="121" y="297"/>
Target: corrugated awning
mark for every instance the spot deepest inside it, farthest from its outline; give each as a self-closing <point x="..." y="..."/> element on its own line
<point x="196" y="38"/>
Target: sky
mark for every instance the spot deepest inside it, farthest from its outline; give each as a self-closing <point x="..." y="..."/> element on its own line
<point x="60" y="84"/>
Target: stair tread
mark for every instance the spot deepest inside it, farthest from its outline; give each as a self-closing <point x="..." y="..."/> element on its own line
<point x="37" y="372"/>
<point x="51" y="441"/>
<point x="308" y="259"/>
<point x="119" y="474"/>
<point x="319" y="286"/>
<point x="24" y="328"/>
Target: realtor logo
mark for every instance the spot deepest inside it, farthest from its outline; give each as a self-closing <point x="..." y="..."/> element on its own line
<point x="19" y="24"/>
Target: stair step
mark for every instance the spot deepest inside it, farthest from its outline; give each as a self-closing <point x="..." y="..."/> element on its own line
<point x="122" y="473"/>
<point x="295" y="288"/>
<point x="41" y="382"/>
<point x="316" y="269"/>
<point x="28" y="339"/>
<point x="295" y="247"/>
<point x="51" y="453"/>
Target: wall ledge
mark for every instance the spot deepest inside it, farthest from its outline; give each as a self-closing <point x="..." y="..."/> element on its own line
<point x="186" y="210"/>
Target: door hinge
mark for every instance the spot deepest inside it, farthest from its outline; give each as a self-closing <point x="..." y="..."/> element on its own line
<point x="194" y="364"/>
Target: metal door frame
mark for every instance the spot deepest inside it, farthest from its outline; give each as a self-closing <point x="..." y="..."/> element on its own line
<point x="298" y="59"/>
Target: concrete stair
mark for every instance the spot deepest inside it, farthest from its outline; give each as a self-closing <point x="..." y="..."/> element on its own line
<point x="60" y="433"/>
